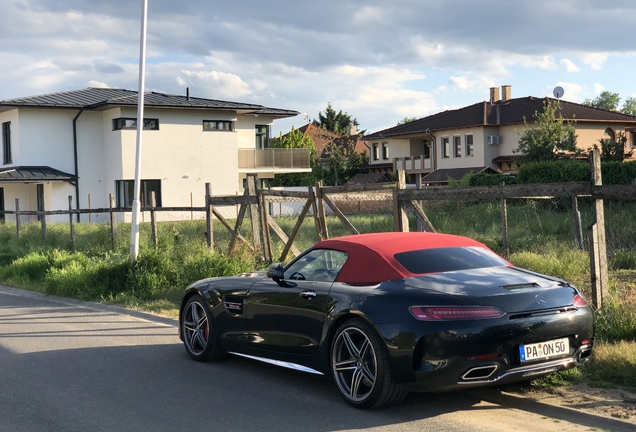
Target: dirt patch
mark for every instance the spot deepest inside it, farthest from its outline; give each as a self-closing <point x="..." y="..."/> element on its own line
<point x="618" y="403"/>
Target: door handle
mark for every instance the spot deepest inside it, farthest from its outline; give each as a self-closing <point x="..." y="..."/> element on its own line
<point x="307" y="295"/>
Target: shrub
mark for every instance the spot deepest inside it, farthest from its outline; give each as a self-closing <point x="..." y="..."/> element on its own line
<point x="559" y="171"/>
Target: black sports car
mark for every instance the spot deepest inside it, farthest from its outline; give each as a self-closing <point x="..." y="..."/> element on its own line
<point x="389" y="313"/>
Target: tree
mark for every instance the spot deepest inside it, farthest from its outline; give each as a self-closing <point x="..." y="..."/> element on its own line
<point x="337" y="122"/>
<point x="606" y="100"/>
<point x="614" y="150"/>
<point x="610" y="101"/>
<point x="294" y="139"/>
<point x="406" y="120"/>
<point x="549" y="138"/>
<point x="339" y="152"/>
<point x="629" y="106"/>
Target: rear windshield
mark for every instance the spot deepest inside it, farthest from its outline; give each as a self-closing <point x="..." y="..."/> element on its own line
<point x="448" y="259"/>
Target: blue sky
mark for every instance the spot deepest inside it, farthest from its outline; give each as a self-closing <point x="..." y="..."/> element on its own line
<point x="376" y="60"/>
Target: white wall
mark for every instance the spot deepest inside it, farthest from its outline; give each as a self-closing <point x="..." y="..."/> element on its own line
<point x="182" y="155"/>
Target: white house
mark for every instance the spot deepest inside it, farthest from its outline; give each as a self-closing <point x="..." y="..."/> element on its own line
<point x="82" y="143"/>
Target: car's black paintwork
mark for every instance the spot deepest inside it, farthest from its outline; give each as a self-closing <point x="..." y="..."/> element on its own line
<point x="256" y="315"/>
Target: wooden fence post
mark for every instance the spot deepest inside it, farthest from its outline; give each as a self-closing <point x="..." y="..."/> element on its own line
<point x="153" y="219"/>
<point x="71" y="224"/>
<point x="598" y="252"/>
<point x="18" y="222"/>
<point x="267" y="240"/>
<point x="321" y="211"/>
<point x="312" y="199"/>
<point x="113" y="218"/>
<point x="209" y="234"/>
<point x="43" y="216"/>
<point x="578" y="231"/>
<point x="252" y="189"/>
<point x="504" y="226"/>
<point x="400" y="218"/>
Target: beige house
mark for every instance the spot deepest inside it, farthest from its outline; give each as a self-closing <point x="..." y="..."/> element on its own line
<point x="480" y="137"/>
<point x="82" y="144"/>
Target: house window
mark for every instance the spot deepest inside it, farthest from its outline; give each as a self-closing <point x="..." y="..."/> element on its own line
<point x="126" y="190"/>
<point x="376" y="152"/>
<point x="609" y="134"/>
<point x="218" y="125"/>
<point x="445" y="147"/>
<point x="457" y="143"/>
<point x="470" y="149"/>
<point x="131" y="123"/>
<point x="6" y="143"/>
<point x="262" y="136"/>
<point x="385" y="151"/>
<point x="427" y="150"/>
<point x="632" y="139"/>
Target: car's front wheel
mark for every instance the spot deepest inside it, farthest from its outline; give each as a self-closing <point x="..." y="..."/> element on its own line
<point x="199" y="335"/>
<point x="360" y="367"/>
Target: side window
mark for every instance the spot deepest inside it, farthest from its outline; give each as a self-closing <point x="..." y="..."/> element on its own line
<point x="317" y="265"/>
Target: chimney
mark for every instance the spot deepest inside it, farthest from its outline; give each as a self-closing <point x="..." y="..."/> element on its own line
<point x="506" y="92"/>
<point x="187" y="93"/>
<point x="353" y="130"/>
<point x="494" y="94"/>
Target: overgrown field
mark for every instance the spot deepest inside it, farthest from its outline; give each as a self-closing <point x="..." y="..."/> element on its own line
<point x="541" y="238"/>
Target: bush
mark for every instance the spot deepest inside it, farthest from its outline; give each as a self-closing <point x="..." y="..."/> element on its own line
<point x="559" y="171"/>
<point x="483" y="179"/>
<point x="571" y="170"/>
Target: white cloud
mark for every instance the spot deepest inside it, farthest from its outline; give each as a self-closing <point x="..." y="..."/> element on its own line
<point x="97" y="84"/>
<point x="570" y="66"/>
<point x="595" y="60"/>
<point x="218" y="85"/>
<point x="599" y="88"/>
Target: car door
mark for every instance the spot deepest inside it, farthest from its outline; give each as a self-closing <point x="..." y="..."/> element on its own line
<point x="287" y="316"/>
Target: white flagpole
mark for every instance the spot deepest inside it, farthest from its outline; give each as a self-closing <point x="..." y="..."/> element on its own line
<point x="136" y="205"/>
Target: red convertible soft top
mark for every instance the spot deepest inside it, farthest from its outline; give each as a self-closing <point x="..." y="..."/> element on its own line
<point x="371" y="256"/>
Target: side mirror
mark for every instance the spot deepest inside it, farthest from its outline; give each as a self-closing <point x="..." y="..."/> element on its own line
<point x="275" y="271"/>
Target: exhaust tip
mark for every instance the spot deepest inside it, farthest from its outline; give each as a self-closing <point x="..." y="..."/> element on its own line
<point x="480" y="372"/>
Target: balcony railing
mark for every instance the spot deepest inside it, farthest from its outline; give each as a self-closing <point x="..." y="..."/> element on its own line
<point x="413" y="163"/>
<point x="273" y="158"/>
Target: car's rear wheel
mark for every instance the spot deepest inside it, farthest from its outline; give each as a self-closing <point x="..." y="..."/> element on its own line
<point x="199" y="335"/>
<point x="360" y="367"/>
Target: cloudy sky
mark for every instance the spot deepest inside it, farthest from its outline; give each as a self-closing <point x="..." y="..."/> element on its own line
<point x="377" y="60"/>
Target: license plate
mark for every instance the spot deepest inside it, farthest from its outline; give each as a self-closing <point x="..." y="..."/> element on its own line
<point x="544" y="350"/>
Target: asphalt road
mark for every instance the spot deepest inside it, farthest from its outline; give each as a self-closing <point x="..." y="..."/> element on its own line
<point x="66" y="365"/>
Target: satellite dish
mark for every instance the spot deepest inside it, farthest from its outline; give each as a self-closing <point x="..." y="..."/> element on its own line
<point x="558" y="92"/>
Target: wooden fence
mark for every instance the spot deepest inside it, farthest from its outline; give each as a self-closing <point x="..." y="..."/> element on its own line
<point x="405" y="202"/>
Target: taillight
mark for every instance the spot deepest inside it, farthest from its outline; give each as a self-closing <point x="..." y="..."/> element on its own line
<point x="579" y="300"/>
<point x="435" y="313"/>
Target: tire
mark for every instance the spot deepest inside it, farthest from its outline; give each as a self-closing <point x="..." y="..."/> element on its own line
<point x="360" y="367"/>
<point x="199" y="335"/>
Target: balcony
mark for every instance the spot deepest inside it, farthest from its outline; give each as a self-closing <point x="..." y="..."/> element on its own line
<point x="413" y="164"/>
<point x="274" y="159"/>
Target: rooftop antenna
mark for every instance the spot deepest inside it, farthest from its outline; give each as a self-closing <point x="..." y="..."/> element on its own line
<point x="558" y="94"/>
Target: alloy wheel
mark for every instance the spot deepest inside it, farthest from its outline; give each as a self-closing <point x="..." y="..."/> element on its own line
<point x="354" y="364"/>
<point x="196" y="329"/>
